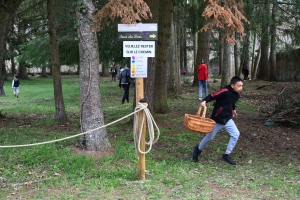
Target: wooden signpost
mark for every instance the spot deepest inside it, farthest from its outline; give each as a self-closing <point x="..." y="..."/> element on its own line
<point x="136" y="46"/>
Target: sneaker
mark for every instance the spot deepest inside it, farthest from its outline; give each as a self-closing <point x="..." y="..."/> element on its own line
<point x="200" y="99"/>
<point x="227" y="158"/>
<point x="196" y="153"/>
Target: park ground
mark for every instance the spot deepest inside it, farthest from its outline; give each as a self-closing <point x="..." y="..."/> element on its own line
<point x="262" y="152"/>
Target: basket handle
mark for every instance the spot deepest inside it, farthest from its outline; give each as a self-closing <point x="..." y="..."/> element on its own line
<point x="199" y="112"/>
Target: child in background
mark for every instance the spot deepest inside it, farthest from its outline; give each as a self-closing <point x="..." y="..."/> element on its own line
<point x="15" y="86"/>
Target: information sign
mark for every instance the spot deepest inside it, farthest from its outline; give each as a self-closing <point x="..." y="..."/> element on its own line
<point x="137" y="27"/>
<point x="138" y="67"/>
<point x="139" y="48"/>
<point x="136" y="36"/>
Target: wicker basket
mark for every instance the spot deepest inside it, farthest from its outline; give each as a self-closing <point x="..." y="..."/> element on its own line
<point x="199" y="123"/>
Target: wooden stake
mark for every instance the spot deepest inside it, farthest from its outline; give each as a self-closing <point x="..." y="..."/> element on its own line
<point x="139" y="84"/>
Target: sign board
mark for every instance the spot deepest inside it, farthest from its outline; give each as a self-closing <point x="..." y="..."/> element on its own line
<point x="136" y="36"/>
<point x="138" y="66"/>
<point x="137" y="27"/>
<point x="139" y="48"/>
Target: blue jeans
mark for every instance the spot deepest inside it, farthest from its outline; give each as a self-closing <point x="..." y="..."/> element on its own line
<point x="230" y="127"/>
<point x="203" y="84"/>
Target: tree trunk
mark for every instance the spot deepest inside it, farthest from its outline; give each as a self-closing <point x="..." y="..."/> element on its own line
<point x="226" y="68"/>
<point x="7" y="13"/>
<point x="149" y="81"/>
<point x="90" y="97"/>
<point x="256" y="63"/>
<point x="184" y="47"/>
<point x="173" y="67"/>
<point x="273" y="75"/>
<point x="22" y="71"/>
<point x="265" y="44"/>
<point x="12" y="48"/>
<point x="195" y="82"/>
<point x="60" y="113"/>
<point x="160" y="104"/>
<point x="254" y="56"/>
<point x="236" y="59"/>
<point x="44" y="73"/>
<point x="181" y="41"/>
<point x="221" y="52"/>
<point x="245" y="55"/>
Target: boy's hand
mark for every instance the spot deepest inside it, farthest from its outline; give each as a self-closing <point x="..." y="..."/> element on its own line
<point x="203" y="103"/>
<point x="234" y="114"/>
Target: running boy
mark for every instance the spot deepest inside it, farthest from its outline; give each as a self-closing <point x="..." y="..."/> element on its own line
<point x="222" y="114"/>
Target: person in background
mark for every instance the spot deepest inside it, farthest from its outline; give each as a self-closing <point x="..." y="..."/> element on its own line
<point x="184" y="72"/>
<point x="113" y="72"/>
<point x="120" y="70"/>
<point x="202" y="79"/>
<point x="245" y="72"/>
<point x="15" y="85"/>
<point x="125" y="81"/>
<point x="224" y="110"/>
<point x="2" y="93"/>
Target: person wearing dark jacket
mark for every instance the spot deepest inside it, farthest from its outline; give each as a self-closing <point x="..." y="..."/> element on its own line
<point x="224" y="110"/>
<point x="124" y="81"/>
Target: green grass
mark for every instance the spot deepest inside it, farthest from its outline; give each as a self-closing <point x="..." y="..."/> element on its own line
<point x="54" y="171"/>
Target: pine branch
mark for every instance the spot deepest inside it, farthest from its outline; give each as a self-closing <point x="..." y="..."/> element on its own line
<point x="228" y="17"/>
<point x="127" y="10"/>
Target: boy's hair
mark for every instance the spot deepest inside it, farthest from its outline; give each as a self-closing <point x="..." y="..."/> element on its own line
<point x="235" y="79"/>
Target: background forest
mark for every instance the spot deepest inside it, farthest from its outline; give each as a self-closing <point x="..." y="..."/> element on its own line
<point x="81" y="35"/>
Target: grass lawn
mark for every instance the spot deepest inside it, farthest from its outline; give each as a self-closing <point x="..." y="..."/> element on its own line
<point x="58" y="171"/>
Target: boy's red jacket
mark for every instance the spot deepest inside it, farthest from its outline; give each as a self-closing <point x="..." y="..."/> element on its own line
<point x="202" y="72"/>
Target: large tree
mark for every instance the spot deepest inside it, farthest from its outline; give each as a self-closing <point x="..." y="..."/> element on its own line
<point x="265" y="40"/>
<point x="273" y="74"/>
<point x="60" y="113"/>
<point x="149" y="81"/>
<point x="160" y="104"/>
<point x="8" y="9"/>
<point x="90" y="97"/>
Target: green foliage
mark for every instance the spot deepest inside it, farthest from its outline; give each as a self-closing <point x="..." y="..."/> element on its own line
<point x="36" y="52"/>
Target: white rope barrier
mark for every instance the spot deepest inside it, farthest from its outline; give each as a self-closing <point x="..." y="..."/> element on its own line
<point x="139" y="108"/>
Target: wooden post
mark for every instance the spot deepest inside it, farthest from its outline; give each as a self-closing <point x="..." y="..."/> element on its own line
<point x="139" y="84"/>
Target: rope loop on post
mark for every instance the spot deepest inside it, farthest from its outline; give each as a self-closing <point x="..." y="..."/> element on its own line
<point x="150" y="125"/>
